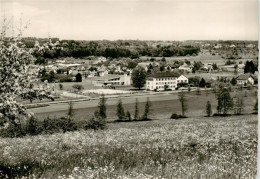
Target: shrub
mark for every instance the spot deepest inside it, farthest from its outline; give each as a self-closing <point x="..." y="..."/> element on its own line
<point x="147" y="109"/>
<point x="33" y="127"/>
<point x="67" y="124"/>
<point x="177" y="116"/>
<point x="12" y="130"/>
<point x="208" y="109"/>
<point x="128" y="116"/>
<point x="120" y="111"/>
<point x="96" y="123"/>
<point x="51" y="126"/>
<point x="61" y="86"/>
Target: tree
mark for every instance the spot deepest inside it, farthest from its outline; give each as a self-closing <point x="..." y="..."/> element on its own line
<point x="147" y="109"/>
<point x="256" y="106"/>
<point x="225" y="102"/>
<point x="131" y="65"/>
<point x="139" y="78"/>
<point x="61" y="86"/>
<point x="70" y="110"/>
<point x="120" y="111"/>
<point x="128" y="116"/>
<point x="249" y="67"/>
<point x="202" y="83"/>
<point x="102" y="107"/>
<point x="238" y="105"/>
<point x="78" y="87"/>
<point x="208" y="109"/>
<point x="233" y="81"/>
<point x="18" y="79"/>
<point x="136" y="117"/>
<point x="182" y="99"/>
<point x="78" y="77"/>
<point x="214" y="66"/>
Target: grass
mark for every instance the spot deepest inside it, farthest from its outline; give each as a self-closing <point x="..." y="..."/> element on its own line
<point x="189" y="148"/>
<point x="162" y="106"/>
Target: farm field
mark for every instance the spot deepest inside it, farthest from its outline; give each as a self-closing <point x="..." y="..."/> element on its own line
<point x="196" y="147"/>
<point x="203" y="57"/>
<point x="163" y="105"/>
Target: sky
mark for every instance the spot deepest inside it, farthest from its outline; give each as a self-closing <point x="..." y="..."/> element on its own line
<point x="134" y="19"/>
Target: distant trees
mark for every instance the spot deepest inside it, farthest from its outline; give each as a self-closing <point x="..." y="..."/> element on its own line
<point x="128" y="116"/>
<point x="50" y="77"/>
<point x="182" y="99"/>
<point x="139" y="78"/>
<point x="102" y="107"/>
<point x="98" y="121"/>
<point x="233" y="81"/>
<point x="202" y="83"/>
<point x="131" y="65"/>
<point x="238" y="105"/>
<point x="61" y="86"/>
<point x="249" y="67"/>
<point x="225" y="102"/>
<point x="214" y="66"/>
<point x="194" y="80"/>
<point x="136" y="115"/>
<point x="120" y="112"/>
<point x="256" y="107"/>
<point x="112" y="49"/>
<point x="78" y="77"/>
<point x="70" y="110"/>
<point x="78" y="87"/>
<point x="196" y="66"/>
<point x="147" y="109"/>
<point x="208" y="109"/>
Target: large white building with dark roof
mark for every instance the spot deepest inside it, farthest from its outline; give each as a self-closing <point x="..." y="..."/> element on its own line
<point x="158" y="82"/>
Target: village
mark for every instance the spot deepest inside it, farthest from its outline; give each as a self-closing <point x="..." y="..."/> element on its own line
<point x="71" y="77"/>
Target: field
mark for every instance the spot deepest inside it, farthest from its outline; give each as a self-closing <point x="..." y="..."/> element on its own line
<point x="203" y="57"/>
<point x="163" y="105"/>
<point x="196" y="147"/>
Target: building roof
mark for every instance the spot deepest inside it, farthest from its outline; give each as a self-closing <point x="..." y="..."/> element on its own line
<point x="165" y="74"/>
<point x="244" y="76"/>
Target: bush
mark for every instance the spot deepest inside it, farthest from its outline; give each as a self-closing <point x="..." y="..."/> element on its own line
<point x="67" y="124"/>
<point x="177" y="116"/>
<point x="96" y="123"/>
<point x="51" y="126"/>
<point x="12" y="130"/>
<point x="221" y="115"/>
<point x="33" y="127"/>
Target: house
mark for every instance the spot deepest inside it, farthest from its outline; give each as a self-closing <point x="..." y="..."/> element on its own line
<point x="145" y="65"/>
<point x="182" y="79"/>
<point x="161" y="80"/>
<point x="245" y="79"/>
<point x="207" y="67"/>
<point x="186" y="67"/>
<point x="112" y="80"/>
<point x="102" y="71"/>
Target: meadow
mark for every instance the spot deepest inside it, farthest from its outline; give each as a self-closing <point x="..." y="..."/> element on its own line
<point x="197" y="147"/>
<point x="163" y="105"/>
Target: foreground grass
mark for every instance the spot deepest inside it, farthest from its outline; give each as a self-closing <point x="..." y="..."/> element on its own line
<point x="188" y="148"/>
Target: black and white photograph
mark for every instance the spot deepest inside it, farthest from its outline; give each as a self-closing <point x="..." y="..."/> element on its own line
<point x="129" y="89"/>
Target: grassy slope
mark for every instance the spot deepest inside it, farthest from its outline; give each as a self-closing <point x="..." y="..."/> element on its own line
<point x="162" y="107"/>
<point x="188" y="148"/>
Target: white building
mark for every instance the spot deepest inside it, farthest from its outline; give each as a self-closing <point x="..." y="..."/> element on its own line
<point x="186" y="67"/>
<point x="112" y="80"/>
<point x="159" y="82"/>
<point x="245" y="79"/>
